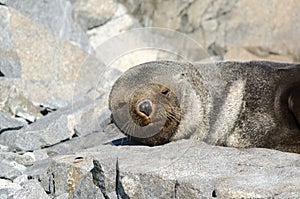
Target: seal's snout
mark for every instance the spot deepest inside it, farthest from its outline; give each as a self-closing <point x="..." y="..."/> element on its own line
<point x="145" y="107"/>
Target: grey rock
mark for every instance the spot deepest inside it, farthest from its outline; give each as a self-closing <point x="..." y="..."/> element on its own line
<point x="119" y="23"/>
<point x="230" y="29"/>
<point x="14" y="103"/>
<point x="9" y="60"/>
<point x="58" y="177"/>
<point x="92" y="119"/>
<point x="94" y="13"/>
<point x="30" y="190"/>
<point x="8" y="123"/>
<point x="63" y="196"/>
<point x="25" y="115"/>
<point x="4" y="148"/>
<point x="10" y="169"/>
<point x="180" y="169"/>
<point x="95" y="78"/>
<point x="54" y="58"/>
<point x="87" y="189"/>
<point x="78" y="144"/>
<point x="42" y="154"/>
<point x="46" y="131"/>
<point x="8" y="188"/>
<point x="161" y="44"/>
<point x="36" y="93"/>
<point x="21" y="179"/>
<point x="25" y="159"/>
<point x="54" y="103"/>
<point x="55" y="16"/>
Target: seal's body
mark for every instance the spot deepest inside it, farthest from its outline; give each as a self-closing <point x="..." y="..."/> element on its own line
<point x="252" y="104"/>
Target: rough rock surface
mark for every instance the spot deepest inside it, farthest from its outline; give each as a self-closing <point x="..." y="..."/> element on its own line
<point x="56" y="138"/>
<point x="55" y="16"/>
<point x="191" y="170"/>
<point x="9" y="60"/>
<point x="234" y="30"/>
<point x="8" y="123"/>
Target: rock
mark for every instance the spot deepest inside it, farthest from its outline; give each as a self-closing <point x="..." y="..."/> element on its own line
<point x="61" y="180"/>
<point x="8" y="123"/>
<point x="192" y="170"/>
<point x="8" y="189"/>
<point x="54" y="59"/>
<point x="269" y="25"/>
<point x="81" y="118"/>
<point x="25" y="159"/>
<point x="10" y="169"/>
<point x="30" y="190"/>
<point x="16" y="104"/>
<point x="9" y="61"/>
<point x="57" y="64"/>
<point x="56" y="17"/>
<point x="93" y="14"/>
<point x="78" y="144"/>
<point x="94" y="118"/>
<point x="21" y="179"/>
<point x="46" y="131"/>
<point x="142" y="45"/>
<point x="119" y="23"/>
<point x="87" y="189"/>
<point x="3" y="148"/>
<point x="63" y="196"/>
<point x="53" y="103"/>
<point x="34" y="93"/>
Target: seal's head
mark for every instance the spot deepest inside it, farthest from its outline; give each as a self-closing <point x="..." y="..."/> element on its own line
<point x="150" y="115"/>
<point x="150" y="102"/>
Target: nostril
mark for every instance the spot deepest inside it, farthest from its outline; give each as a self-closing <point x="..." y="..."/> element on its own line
<point x="145" y="107"/>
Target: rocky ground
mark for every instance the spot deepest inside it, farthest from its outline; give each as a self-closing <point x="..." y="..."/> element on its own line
<point x="58" y="60"/>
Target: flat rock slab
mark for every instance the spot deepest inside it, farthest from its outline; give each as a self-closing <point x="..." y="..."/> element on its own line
<point x="55" y="16"/>
<point x="47" y="131"/>
<point x="30" y="189"/>
<point x="182" y="169"/>
<point x="9" y="61"/>
<point x="8" y="123"/>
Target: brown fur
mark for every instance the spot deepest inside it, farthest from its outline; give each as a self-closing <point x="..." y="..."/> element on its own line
<point x="251" y="104"/>
<point x="166" y="113"/>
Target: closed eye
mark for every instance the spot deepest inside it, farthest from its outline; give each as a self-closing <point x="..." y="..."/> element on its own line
<point x="165" y="91"/>
<point x="121" y="104"/>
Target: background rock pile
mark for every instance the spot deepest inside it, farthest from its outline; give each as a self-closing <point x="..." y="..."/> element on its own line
<point x="56" y="70"/>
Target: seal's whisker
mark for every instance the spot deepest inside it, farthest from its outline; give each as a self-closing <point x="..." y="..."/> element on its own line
<point x="168" y="115"/>
<point x="172" y="116"/>
<point x="162" y="115"/>
<point x="130" y="127"/>
<point x="124" y="126"/>
<point x="133" y="128"/>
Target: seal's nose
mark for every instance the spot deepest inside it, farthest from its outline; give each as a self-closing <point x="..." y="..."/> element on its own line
<point x="145" y="107"/>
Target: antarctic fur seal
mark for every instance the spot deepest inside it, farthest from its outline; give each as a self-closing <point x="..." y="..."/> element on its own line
<point x="237" y="104"/>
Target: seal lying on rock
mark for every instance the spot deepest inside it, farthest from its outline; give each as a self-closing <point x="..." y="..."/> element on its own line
<point x="252" y="104"/>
